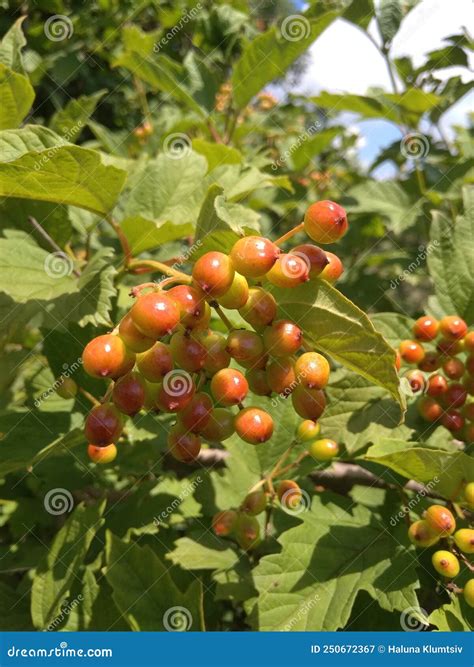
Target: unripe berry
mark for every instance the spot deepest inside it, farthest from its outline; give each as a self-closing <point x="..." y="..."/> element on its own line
<point x="254" y="256"/>
<point x="469" y="494"/>
<point x="132" y="337"/>
<point x="324" y="449"/>
<point x="440" y="520"/>
<point x="229" y="387"/>
<point x="196" y="415"/>
<point x="308" y="403"/>
<point x="254" y="425"/>
<point x="281" y="375"/>
<point x="452" y="327"/>
<point x="220" y="425"/>
<point x="421" y="535"/>
<point x="314" y="257"/>
<point x="437" y="385"/>
<point x="213" y="273"/>
<point x="312" y="370"/>
<point x="155" y="314"/>
<point x="470" y="365"/>
<point x="103" y="424"/>
<point x="426" y="328"/>
<point x="468" y="592"/>
<point x="223" y="523"/>
<point x="151" y="394"/>
<point x="455" y="396"/>
<point x="183" y="445"/>
<point x="247" y="531"/>
<point x="102" y="455"/>
<point x="469" y="342"/>
<point x="416" y="380"/>
<point x="191" y="303"/>
<point x="67" y="388"/>
<point x="430" y="362"/>
<point x="283" y="338"/>
<point x="429" y="409"/>
<point x="446" y="564"/>
<point x="288" y="271"/>
<point x="333" y="270"/>
<point x="260" y="309"/>
<point x="325" y="222"/>
<point x="453" y="368"/>
<point x="411" y="351"/>
<point x="176" y="391"/>
<point x="237" y="294"/>
<point x="254" y="503"/>
<point x="464" y="539"/>
<point x="156" y="362"/>
<point x="107" y="357"/>
<point x="244" y="345"/>
<point x="217" y="356"/>
<point x="307" y="430"/>
<point x="188" y="352"/>
<point x="129" y="393"/>
<point x="453" y="420"/>
<point x="289" y="494"/>
<point x="258" y="383"/>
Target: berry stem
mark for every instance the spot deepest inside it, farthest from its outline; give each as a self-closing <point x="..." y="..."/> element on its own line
<point x="48" y="239"/>
<point x="89" y="397"/>
<point x="295" y="463"/>
<point x="153" y="265"/>
<point x="222" y="315"/>
<point x="288" y="235"/>
<point x="126" y="249"/>
<point x="136" y="291"/>
<point x="282" y="459"/>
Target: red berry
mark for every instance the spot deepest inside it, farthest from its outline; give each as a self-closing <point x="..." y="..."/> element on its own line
<point x="155" y="314"/>
<point x="416" y="380"/>
<point x="254" y="503"/>
<point x="244" y="345"/>
<point x="468" y="435"/>
<point x="453" y="420"/>
<point x="237" y="294"/>
<point x="213" y="273"/>
<point x="453" y="368"/>
<point x="469" y="342"/>
<point x="453" y="327"/>
<point x="455" y="396"/>
<point x="426" y="328"/>
<point x="254" y="256"/>
<point x="289" y="271"/>
<point x="421" y="535"/>
<point x="411" y="351"/>
<point x="281" y="375"/>
<point x="103" y="424"/>
<point x="183" y="445"/>
<point x="176" y="391"/>
<point x="132" y="337"/>
<point x="220" y="425"/>
<point x="314" y="257"/>
<point x="468" y="383"/>
<point x="258" y="362"/>
<point x="188" y="352"/>
<point x="334" y="270"/>
<point x="308" y="430"/>
<point x="470" y="365"/>
<point x="430" y="362"/>
<point x="229" y="387"/>
<point x="468" y="412"/>
<point x="107" y="357"/>
<point x="254" y="425"/>
<point x="437" y="385"/>
<point x="449" y="348"/>
<point x="429" y="409"/>
<point x="258" y="383"/>
<point x="217" y="356"/>
<point x="312" y="370"/>
<point x="440" y="520"/>
<point x="260" y="309"/>
<point x="195" y="416"/>
<point x="102" y="454"/>
<point x="223" y="523"/>
<point x="156" y="362"/>
<point x="308" y="403"/>
<point x="282" y="338"/>
<point x="129" y="393"/>
<point x="325" y="222"/>
<point x="191" y="303"/>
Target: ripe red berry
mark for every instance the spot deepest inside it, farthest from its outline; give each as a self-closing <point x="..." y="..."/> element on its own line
<point x="448" y="348"/>
<point x="468" y="383"/>
<point x="220" y="425"/>
<point x="430" y="362"/>
<point x="468" y="412"/>
<point x="243" y="345"/>
<point x="254" y="502"/>
<point x="67" y="388"/>
<point x="183" y="445"/>
<point x="437" y="385"/>
<point x="188" y="352"/>
<point x="132" y="337"/>
<point x="312" y="370"/>
<point x="176" y="391"/>
<point x="156" y="362"/>
<point x="196" y="415"/>
<point x="258" y="383"/>
<point x="468" y="433"/>
<point x="429" y="409"/>
<point x="289" y="271"/>
<point x="313" y="256"/>
<point x="107" y="357"/>
<point x="260" y="309"/>
<point x="282" y="338"/>
<point x="325" y="222"/>
<point x="254" y="256"/>
<point x="440" y="520"/>
<point x="258" y="362"/>
<point x="281" y="375"/>
<point x="217" y="356"/>
<point x="453" y="368"/>
<point x="289" y="494"/>
<point x="468" y="342"/>
<point x="254" y="425"/>
<point x="334" y="269"/>
<point x="324" y="449"/>
<point x="155" y="314"/>
<point x="453" y="420"/>
<point x="129" y="393"/>
<point x="308" y="430"/>
<point x="229" y="387"/>
<point x="308" y="403"/>
<point x="411" y="351"/>
<point x="416" y="380"/>
<point x="452" y="327"/>
<point x="237" y="294"/>
<point x="103" y="424"/>
<point x="213" y="273"/>
<point x="102" y="455"/>
<point x="455" y="396"/>
<point x="223" y="523"/>
<point x="191" y="303"/>
<point x="426" y="328"/>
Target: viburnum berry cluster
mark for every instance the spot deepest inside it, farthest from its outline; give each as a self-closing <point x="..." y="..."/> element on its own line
<point x="164" y="357"/>
<point x="438" y="524"/>
<point x="444" y="355"/>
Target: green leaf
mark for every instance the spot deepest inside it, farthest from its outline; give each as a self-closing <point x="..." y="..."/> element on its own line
<point x="449" y="617"/>
<point x="366" y="106"/>
<point x="360" y="12"/>
<point x="17" y="95"/>
<point x="30" y="138"/>
<point x="53" y="218"/>
<point x="12" y="45"/>
<point x="80" y="608"/>
<point x="337" y="551"/>
<point x="394" y="327"/>
<point x="309" y="148"/>
<point x="337" y="327"/>
<point x="389" y="17"/>
<point x="144" y="592"/>
<point x="192" y="555"/>
<point x="216" y="154"/>
<point x="57" y="573"/>
<point x="268" y="56"/>
<point x="14" y="610"/>
<point x="451" y="263"/>
<point x="70" y="121"/>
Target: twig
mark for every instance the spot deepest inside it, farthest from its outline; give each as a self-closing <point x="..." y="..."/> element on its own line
<point x="289" y="234"/>
<point x="48" y="239"/>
